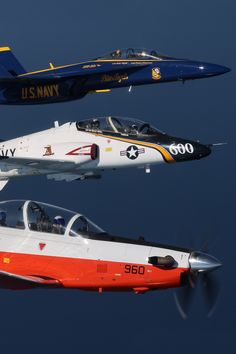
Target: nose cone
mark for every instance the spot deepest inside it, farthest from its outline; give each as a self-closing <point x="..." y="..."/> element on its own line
<point x="201" y="151"/>
<point x="203" y="262"/>
<point x="191" y="70"/>
<point x="207" y="69"/>
<point x="186" y="150"/>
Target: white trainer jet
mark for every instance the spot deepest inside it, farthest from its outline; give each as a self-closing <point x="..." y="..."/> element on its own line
<point x="82" y="150"/>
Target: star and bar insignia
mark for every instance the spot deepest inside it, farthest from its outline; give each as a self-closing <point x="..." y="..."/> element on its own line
<point x="132" y="152"/>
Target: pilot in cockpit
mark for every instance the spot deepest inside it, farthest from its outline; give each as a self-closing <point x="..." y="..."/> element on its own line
<point x="83" y="226"/>
<point x="153" y="53"/>
<point x="134" y="129"/>
<point x="58" y="226"/>
<point x="116" y="53"/>
<point x="3" y="218"/>
<point x="44" y="224"/>
<point x="95" y="124"/>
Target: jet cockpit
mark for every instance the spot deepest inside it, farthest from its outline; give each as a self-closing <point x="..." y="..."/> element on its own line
<point x="134" y="53"/>
<point x="118" y="126"/>
<point x="41" y="217"/>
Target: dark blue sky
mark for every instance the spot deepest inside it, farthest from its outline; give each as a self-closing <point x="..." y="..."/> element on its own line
<point x="181" y="204"/>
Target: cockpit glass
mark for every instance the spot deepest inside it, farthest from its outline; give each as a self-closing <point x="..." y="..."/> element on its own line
<point x="83" y="227"/>
<point x="117" y="125"/>
<point x="42" y="217"/>
<point x="11" y="214"/>
<point x="134" y="53"/>
<point x="48" y="218"/>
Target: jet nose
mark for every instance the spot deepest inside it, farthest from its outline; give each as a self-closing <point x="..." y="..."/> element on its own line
<point x="207" y="69"/>
<point x="202" y="150"/>
<point x="187" y="150"/>
<point x="203" y="262"/>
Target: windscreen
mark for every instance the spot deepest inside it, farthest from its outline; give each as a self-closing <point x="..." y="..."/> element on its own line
<point x="83" y="227"/>
<point x="134" y="53"/>
<point x="117" y="125"/>
<point x="11" y="214"/>
<point x="48" y="218"/>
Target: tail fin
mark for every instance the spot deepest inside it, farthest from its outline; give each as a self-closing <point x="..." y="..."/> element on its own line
<point x="9" y="65"/>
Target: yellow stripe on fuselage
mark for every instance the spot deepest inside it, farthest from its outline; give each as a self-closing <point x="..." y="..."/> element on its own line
<point x="165" y="154"/>
<point x="51" y="69"/>
<point x="4" y="49"/>
<point x="126" y="60"/>
<point x="85" y="62"/>
<point x="102" y="91"/>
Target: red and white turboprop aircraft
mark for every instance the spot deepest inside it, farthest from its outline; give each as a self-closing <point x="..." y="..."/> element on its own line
<point x="46" y="246"/>
<point x="81" y="150"/>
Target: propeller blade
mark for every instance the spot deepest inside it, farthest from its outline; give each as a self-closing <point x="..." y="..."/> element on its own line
<point x="211" y="289"/>
<point x="183" y="299"/>
<point x="184" y="296"/>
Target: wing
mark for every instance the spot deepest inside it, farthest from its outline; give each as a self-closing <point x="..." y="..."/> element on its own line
<point x="19" y="282"/>
<point x="38" y="164"/>
<point x="75" y="155"/>
<point x="68" y="177"/>
<point x="72" y="72"/>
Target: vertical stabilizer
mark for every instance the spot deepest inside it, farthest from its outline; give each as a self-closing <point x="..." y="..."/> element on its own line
<point x="9" y="62"/>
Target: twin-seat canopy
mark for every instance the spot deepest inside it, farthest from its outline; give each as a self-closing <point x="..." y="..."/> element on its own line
<point x="41" y="217"/>
<point x="118" y="126"/>
<point x="134" y="53"/>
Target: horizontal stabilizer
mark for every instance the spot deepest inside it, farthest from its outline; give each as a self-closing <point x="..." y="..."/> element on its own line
<point x="20" y="282"/>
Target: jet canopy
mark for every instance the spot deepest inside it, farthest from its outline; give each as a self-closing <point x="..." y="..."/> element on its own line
<point x="46" y="218"/>
<point x="134" y="53"/>
<point x="118" y="126"/>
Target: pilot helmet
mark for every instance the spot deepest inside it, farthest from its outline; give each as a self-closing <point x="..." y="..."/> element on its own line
<point x="95" y="123"/>
<point x="116" y="53"/>
<point x="153" y="53"/>
<point x="59" y="220"/>
<point x="134" y="127"/>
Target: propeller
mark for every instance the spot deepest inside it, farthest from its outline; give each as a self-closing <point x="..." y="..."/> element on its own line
<point x="201" y="267"/>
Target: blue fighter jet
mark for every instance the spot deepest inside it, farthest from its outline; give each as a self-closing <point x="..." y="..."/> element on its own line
<point x="120" y="68"/>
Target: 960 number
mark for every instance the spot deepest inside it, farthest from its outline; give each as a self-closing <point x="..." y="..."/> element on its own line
<point x="134" y="269"/>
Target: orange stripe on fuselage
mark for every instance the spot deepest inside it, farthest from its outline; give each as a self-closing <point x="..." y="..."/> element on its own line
<point x="90" y="274"/>
<point x="165" y="154"/>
